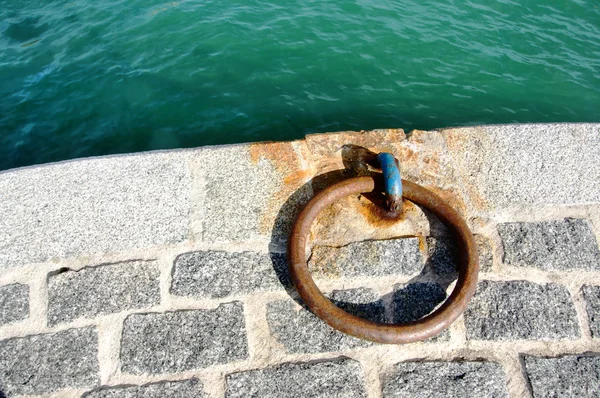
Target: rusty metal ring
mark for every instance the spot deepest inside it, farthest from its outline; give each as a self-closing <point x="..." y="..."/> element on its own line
<point x="424" y="328"/>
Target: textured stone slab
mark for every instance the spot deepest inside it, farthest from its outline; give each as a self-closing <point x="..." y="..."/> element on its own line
<point x="551" y="245"/>
<point x="592" y="302"/>
<point x="339" y="378"/>
<point x="170" y="389"/>
<point x="445" y="380"/>
<point x="93" y="206"/>
<point x="102" y="290"/>
<point x="45" y="363"/>
<point x="509" y="165"/>
<point x="570" y="376"/>
<point x="300" y="331"/>
<point x="486" y="257"/>
<point x="415" y="300"/>
<point x="219" y="274"/>
<point x="443" y="256"/>
<point x="367" y="258"/>
<point x="521" y="310"/>
<point x="268" y="191"/>
<point x="14" y="303"/>
<point x="177" y="341"/>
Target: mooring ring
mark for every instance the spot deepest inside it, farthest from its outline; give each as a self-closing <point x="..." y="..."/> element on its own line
<point x="419" y="330"/>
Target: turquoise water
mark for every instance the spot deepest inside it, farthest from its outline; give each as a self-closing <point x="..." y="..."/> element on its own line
<point x="84" y="77"/>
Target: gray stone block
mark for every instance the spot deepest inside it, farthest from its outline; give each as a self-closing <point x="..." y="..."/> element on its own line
<point x="169" y="389"/>
<point x="259" y="210"/>
<point x="338" y="378"/>
<point x="592" y="301"/>
<point x="42" y="364"/>
<point x="172" y="342"/>
<point x="515" y="164"/>
<point x="442" y="257"/>
<point x="571" y="376"/>
<point x="415" y="300"/>
<point x="367" y="258"/>
<point x="445" y="379"/>
<point x="93" y="206"/>
<point x="567" y="244"/>
<point x="101" y="290"/>
<point x="300" y="331"/>
<point x="14" y="303"/>
<point x="486" y="257"/>
<point x="219" y="274"/>
<point x="521" y="310"/>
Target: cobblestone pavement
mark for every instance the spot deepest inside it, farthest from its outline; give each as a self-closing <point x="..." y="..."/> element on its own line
<point x="164" y="274"/>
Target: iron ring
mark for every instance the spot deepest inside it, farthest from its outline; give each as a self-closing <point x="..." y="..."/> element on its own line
<point x="419" y="330"/>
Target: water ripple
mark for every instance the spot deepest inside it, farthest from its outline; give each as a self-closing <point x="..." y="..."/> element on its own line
<point x="84" y="78"/>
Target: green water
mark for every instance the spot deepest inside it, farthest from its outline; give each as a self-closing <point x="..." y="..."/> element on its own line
<point x="84" y="77"/>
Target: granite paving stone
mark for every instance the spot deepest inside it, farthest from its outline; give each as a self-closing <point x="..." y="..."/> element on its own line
<point x="415" y="300"/>
<point x="521" y="310"/>
<point x="515" y="164"/>
<point x="367" y="258"/>
<point x="169" y="389"/>
<point x="102" y="290"/>
<point x="571" y="376"/>
<point x="14" y="303"/>
<point x="337" y="378"/>
<point x="300" y="331"/>
<point x="591" y="295"/>
<point x="560" y="245"/>
<point x="259" y="208"/>
<point x="93" y="206"/>
<point x="445" y="380"/>
<point x="42" y="364"/>
<point x="219" y="273"/>
<point x="486" y="257"/>
<point x="442" y="257"/>
<point x="171" y="342"/>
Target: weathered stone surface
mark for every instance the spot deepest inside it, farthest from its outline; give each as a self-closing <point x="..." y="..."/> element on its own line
<point x="177" y="341"/>
<point x="509" y="165"/>
<point x="338" y="378"/>
<point x="45" y="363"/>
<point x="486" y="257"/>
<point x="102" y="290"/>
<point x="368" y="258"/>
<point x="445" y="379"/>
<point x="171" y="389"/>
<point x="93" y="206"/>
<point x="415" y="300"/>
<point x="299" y="331"/>
<point x="592" y="301"/>
<point x="520" y="310"/>
<point x="268" y="191"/>
<point x="14" y="303"/>
<point x="571" y="376"/>
<point x="550" y="245"/>
<point x="442" y="257"/>
<point x="219" y="274"/>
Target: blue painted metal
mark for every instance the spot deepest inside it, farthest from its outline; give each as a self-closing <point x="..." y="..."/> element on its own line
<point x="392" y="182"/>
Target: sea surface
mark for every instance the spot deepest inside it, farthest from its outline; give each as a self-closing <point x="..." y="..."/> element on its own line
<point x="88" y="77"/>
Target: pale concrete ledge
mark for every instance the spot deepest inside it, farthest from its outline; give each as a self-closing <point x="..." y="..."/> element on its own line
<point x="163" y="274"/>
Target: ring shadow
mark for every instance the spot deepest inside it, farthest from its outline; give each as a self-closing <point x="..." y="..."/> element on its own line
<point x="412" y="301"/>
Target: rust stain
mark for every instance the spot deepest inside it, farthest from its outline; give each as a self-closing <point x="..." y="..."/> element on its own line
<point x="422" y="244"/>
<point x="288" y="165"/>
<point x="376" y="215"/>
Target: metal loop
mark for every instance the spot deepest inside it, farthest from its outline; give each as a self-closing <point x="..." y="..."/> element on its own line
<point x="422" y="329"/>
<point x="392" y="182"/>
